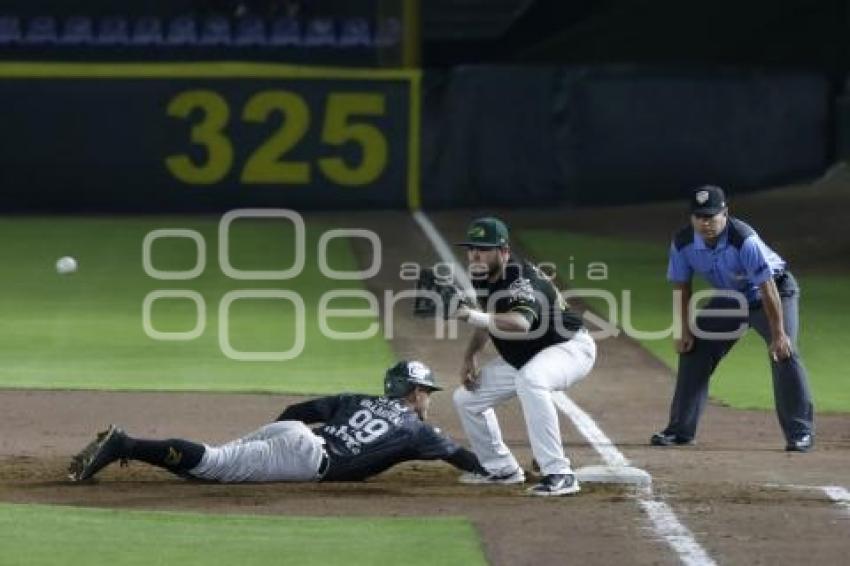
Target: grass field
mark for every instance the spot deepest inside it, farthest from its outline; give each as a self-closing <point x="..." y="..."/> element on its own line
<point x="743" y="378"/>
<point x="85" y="330"/>
<point x="40" y="535"/>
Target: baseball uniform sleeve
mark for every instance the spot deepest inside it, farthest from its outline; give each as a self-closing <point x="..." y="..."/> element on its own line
<point x="429" y="444"/>
<point x="465" y="460"/>
<point x="679" y="269"/>
<point x="521" y="298"/>
<point x="754" y="260"/>
<point x="316" y="411"/>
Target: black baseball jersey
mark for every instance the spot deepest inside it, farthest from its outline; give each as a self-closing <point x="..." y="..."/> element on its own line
<point x="365" y="434"/>
<point x="526" y="290"/>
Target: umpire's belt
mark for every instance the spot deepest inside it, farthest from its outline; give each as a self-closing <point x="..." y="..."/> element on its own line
<point x="781" y="279"/>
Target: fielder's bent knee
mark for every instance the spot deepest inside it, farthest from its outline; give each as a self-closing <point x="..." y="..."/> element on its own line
<point x="527" y="381"/>
<point x="462" y="397"/>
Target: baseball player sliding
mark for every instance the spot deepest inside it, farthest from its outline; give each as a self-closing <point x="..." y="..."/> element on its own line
<point x="542" y="347"/>
<point x="360" y="436"/>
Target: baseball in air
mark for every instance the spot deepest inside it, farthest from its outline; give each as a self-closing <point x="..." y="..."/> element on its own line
<point x="66" y="265"/>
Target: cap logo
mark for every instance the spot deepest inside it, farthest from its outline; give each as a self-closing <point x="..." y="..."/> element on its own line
<point x="702" y="197"/>
<point x="417" y="370"/>
<point x="477" y="232"/>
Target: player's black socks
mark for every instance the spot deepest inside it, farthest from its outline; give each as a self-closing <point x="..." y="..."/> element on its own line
<point x="174" y="455"/>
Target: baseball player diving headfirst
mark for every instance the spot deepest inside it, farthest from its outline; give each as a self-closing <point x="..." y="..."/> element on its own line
<point x="357" y="436"/>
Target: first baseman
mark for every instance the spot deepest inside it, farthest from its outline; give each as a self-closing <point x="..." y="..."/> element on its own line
<point x="731" y="256"/>
<point x="360" y="436"/>
<point x="543" y="346"/>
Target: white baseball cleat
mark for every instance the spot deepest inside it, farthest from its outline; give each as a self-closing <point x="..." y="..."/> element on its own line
<point x="514" y="477"/>
<point x="556" y="484"/>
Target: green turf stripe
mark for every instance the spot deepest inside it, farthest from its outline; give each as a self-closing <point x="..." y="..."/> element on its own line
<point x="38" y="535"/>
<point x="85" y="330"/>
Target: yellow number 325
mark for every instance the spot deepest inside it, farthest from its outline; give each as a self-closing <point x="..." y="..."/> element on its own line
<point x="266" y="164"/>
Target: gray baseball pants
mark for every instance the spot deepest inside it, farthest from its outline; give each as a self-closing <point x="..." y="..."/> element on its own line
<point x="791" y="392"/>
<point x="279" y="451"/>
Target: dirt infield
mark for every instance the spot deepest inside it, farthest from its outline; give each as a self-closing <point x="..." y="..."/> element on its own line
<point x="734" y="490"/>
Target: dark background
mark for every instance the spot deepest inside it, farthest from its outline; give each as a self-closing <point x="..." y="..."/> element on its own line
<point x="524" y="102"/>
<point x="101" y="145"/>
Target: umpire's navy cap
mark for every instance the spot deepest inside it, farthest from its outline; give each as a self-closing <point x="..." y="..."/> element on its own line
<point x="708" y="200"/>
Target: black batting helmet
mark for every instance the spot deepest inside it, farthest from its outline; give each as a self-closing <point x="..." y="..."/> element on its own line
<point x="403" y="377"/>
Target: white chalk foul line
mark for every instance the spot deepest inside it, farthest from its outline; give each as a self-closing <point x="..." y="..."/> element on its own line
<point x="836" y="493"/>
<point x="590" y="430"/>
<point x="839" y="495"/>
<point x="442" y="248"/>
<point x="668" y="526"/>
<point x="664" y="521"/>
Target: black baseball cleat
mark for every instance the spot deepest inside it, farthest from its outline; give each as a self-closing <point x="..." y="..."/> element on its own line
<point x="665" y="439"/>
<point x="801" y="444"/>
<point x="105" y="449"/>
<point x="556" y="484"/>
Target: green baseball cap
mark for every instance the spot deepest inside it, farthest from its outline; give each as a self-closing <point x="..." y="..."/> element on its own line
<point x="486" y="232"/>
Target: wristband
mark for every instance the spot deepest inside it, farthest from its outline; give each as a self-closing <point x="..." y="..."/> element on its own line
<point x="479" y="319"/>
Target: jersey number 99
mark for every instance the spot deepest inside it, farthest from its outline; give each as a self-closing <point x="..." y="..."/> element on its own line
<point x="367" y="427"/>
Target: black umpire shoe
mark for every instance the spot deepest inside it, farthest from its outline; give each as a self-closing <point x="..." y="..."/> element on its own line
<point x="666" y="439"/>
<point x="105" y="449"/>
<point x="801" y="444"/>
<point x="556" y="484"/>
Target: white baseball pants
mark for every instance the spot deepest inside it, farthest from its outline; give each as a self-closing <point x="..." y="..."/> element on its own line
<point x="279" y="451"/>
<point x="552" y="369"/>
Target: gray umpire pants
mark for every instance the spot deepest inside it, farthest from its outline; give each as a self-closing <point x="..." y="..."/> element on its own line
<point x="790" y="384"/>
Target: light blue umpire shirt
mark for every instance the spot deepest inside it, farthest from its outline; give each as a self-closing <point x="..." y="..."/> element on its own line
<point x="740" y="261"/>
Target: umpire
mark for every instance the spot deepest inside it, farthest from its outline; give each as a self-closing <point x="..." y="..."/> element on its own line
<point x="729" y="254"/>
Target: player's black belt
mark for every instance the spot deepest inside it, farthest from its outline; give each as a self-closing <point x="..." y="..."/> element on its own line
<point x="324" y="464"/>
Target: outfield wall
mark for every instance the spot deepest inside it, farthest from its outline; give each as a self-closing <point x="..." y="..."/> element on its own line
<point x="216" y="136"/>
<point x="205" y="137"/>
<point x="615" y="135"/>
